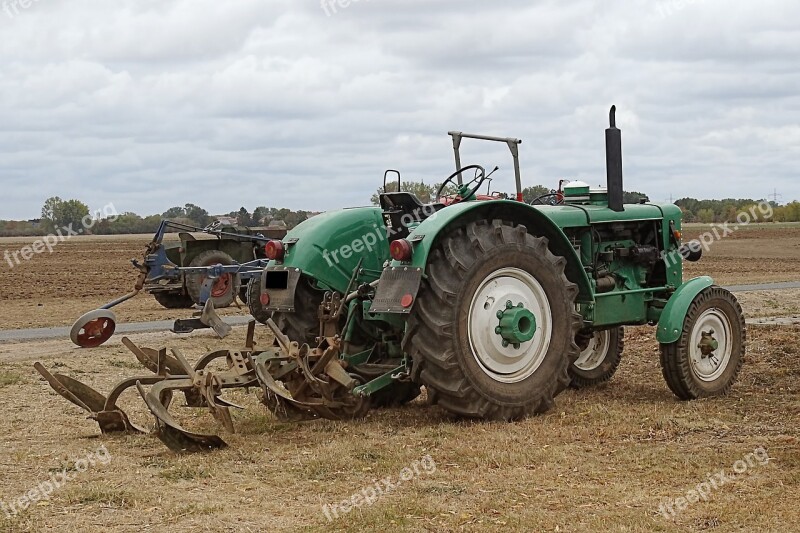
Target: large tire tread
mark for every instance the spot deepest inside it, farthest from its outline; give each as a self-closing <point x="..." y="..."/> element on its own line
<point x="431" y="327"/>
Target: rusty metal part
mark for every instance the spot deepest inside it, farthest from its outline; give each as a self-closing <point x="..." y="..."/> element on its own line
<point x="104" y="411"/>
<point x="329" y="312"/>
<point x="298" y="382"/>
<point x="172" y="434"/>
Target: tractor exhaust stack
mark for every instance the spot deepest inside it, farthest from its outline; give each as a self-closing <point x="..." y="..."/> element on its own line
<point x="614" y="163"/>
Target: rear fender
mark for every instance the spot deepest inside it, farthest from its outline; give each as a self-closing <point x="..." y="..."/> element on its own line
<point x="425" y="237"/>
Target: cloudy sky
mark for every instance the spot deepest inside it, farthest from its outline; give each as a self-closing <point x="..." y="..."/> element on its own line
<point x="151" y="103"/>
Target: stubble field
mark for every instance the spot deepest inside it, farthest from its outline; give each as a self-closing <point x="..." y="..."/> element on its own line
<point x="603" y="459"/>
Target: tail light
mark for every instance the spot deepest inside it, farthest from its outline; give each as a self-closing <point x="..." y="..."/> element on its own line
<point x="400" y="250"/>
<point x="275" y="250"/>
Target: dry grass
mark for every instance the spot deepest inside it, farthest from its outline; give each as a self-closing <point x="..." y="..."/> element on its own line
<point x="603" y="459"/>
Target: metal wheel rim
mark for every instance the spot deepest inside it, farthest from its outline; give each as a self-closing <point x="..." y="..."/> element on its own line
<point x="221" y="286"/>
<point x="713" y="366"/>
<point x="508" y="364"/>
<point x="597" y="351"/>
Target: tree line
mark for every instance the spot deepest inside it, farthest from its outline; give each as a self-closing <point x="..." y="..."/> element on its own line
<point x="57" y="213"/>
<point x="726" y="210"/>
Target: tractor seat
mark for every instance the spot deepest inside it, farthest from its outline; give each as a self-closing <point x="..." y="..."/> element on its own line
<point x="404" y="201"/>
<point x="396" y="205"/>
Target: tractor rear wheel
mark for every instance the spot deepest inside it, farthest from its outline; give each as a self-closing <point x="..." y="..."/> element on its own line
<point x="254" y="301"/>
<point x="173" y="299"/>
<point x="492" y="333"/>
<point x="601" y="352"/>
<point x="302" y="325"/>
<point x="707" y="357"/>
<point x="225" y="287"/>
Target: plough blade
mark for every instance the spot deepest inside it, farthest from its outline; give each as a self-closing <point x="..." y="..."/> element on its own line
<point x="109" y="417"/>
<point x="171" y="433"/>
<point x="156" y="361"/>
<point x="298" y="382"/>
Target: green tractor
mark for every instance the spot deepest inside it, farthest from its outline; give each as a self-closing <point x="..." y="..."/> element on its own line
<point x="496" y="306"/>
<point x="493" y="305"/>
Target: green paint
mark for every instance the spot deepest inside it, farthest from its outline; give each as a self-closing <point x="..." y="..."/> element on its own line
<point x="517" y="324"/>
<point x="671" y="322"/>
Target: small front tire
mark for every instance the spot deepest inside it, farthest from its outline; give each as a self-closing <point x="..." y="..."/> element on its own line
<point x="707" y="357"/>
<point x="601" y="353"/>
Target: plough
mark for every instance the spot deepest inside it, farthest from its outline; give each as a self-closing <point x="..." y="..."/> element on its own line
<point x="163" y="274"/>
<point x="297" y="382"/>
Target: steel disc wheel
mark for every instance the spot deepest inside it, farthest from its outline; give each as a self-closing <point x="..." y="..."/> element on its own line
<point x="224" y="288"/>
<point x="709" y="367"/>
<point x="601" y="353"/>
<point x="94" y="328"/>
<point x="594" y="354"/>
<point x="221" y="286"/>
<point x="506" y="362"/>
<point x="706" y="359"/>
<point x="492" y="331"/>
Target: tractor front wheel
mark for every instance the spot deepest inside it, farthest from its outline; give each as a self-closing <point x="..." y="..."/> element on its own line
<point x="493" y="329"/>
<point x="707" y="357"/>
<point x="601" y="352"/>
<point x="225" y="287"/>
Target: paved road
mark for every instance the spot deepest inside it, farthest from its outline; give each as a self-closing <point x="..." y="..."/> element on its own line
<point x="166" y="325"/>
<point x="134" y="327"/>
<point x="765" y="287"/>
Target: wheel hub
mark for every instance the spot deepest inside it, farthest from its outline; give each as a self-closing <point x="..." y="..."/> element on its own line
<point x="513" y="348"/>
<point x="711" y="344"/>
<point x="221" y="286"/>
<point x="708" y="343"/>
<point x="517" y="325"/>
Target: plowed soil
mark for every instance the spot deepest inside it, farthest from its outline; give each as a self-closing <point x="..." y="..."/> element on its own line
<point x="603" y="459"/>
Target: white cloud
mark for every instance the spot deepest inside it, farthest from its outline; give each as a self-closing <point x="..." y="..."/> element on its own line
<point x="149" y="104"/>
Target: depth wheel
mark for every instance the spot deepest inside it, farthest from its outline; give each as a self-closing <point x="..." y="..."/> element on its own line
<point x="225" y="287"/>
<point x="492" y="333"/>
<point x="601" y="352"/>
<point x="706" y="359"/>
<point x="94" y="328"/>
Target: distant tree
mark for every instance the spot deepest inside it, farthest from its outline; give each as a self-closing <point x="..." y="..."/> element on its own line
<point x="244" y="217"/>
<point x="292" y="219"/>
<point x="173" y="212"/>
<point x="633" y="197"/>
<point x="259" y="214"/>
<point x="57" y="213"/>
<point x="529" y="194"/>
<point x="282" y="213"/>
<point x="197" y="214"/>
<point x="706" y="216"/>
<point x="50" y="211"/>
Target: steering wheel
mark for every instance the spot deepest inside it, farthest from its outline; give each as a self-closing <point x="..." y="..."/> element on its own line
<point x="551" y="198"/>
<point x="480" y="176"/>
